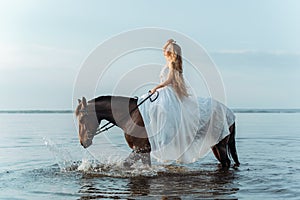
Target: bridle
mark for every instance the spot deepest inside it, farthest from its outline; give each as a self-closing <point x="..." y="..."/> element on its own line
<point x="106" y="126"/>
<point x="85" y="113"/>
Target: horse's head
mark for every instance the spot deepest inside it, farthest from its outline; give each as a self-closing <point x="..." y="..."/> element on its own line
<point x="87" y="122"/>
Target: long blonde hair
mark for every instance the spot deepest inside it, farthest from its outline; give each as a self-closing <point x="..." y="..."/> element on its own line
<point x="173" y="51"/>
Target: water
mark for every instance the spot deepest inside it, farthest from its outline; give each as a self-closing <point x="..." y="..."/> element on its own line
<point x="40" y="158"/>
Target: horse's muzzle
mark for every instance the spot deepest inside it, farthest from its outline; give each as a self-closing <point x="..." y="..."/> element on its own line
<point x="86" y="144"/>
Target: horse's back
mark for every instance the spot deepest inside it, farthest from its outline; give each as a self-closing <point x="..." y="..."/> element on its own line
<point x="211" y="109"/>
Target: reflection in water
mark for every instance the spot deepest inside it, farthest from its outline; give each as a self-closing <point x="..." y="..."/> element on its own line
<point x="139" y="186"/>
<point x="173" y="183"/>
<point x="106" y="187"/>
<point x="200" y="184"/>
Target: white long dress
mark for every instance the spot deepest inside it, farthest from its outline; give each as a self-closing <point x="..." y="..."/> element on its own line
<point x="183" y="130"/>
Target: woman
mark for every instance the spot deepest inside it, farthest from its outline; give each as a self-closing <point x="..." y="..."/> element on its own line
<point x="175" y="129"/>
<point x="172" y="119"/>
<point x="174" y="78"/>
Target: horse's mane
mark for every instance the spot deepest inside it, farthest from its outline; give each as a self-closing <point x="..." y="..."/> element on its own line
<point x="109" y="97"/>
<point x="100" y="99"/>
<point x="95" y="100"/>
<point x="106" y="99"/>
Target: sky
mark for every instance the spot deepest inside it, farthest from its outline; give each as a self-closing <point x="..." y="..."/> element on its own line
<point x="254" y="44"/>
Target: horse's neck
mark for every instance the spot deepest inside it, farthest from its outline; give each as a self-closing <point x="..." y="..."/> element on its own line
<point x="104" y="111"/>
<point x="114" y="109"/>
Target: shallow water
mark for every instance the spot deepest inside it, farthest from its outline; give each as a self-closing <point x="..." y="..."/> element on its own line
<point x="40" y="157"/>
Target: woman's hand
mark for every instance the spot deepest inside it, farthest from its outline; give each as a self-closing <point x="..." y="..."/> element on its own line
<point x="156" y="88"/>
<point x="153" y="90"/>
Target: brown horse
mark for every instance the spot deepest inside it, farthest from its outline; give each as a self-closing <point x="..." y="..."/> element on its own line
<point x="121" y="112"/>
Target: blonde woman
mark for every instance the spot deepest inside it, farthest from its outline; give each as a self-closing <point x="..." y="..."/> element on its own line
<point x="172" y="119"/>
<point x="174" y="78"/>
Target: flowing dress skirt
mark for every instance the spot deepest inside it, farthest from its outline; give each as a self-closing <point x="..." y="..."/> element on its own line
<point x="184" y="130"/>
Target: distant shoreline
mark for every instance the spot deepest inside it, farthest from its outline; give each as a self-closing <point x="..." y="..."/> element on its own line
<point x="245" y="110"/>
<point x="35" y="111"/>
<point x="237" y="110"/>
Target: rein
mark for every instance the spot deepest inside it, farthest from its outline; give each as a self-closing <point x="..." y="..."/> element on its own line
<point x="106" y="126"/>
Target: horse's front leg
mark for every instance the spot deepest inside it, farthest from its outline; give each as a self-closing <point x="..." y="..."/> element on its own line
<point x="136" y="154"/>
<point x="144" y="151"/>
<point x="146" y="160"/>
<point x="132" y="158"/>
<point x="141" y="149"/>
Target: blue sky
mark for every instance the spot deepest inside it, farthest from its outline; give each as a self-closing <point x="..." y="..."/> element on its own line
<point x="255" y="45"/>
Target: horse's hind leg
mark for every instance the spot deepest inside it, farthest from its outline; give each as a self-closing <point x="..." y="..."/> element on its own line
<point x="216" y="153"/>
<point x="222" y="149"/>
<point x="232" y="147"/>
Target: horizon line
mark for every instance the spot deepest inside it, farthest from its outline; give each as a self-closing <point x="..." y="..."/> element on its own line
<point x="235" y="110"/>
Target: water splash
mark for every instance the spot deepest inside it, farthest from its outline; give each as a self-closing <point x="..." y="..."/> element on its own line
<point x="115" y="170"/>
<point x="110" y="165"/>
<point x="85" y="165"/>
<point x="62" y="156"/>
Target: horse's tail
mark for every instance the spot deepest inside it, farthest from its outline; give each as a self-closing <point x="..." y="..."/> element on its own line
<point x="231" y="145"/>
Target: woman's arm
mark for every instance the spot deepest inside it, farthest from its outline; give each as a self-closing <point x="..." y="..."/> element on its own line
<point x="166" y="82"/>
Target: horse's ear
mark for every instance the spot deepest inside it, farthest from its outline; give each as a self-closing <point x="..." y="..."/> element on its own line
<point x="84" y="101"/>
<point x="79" y="101"/>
